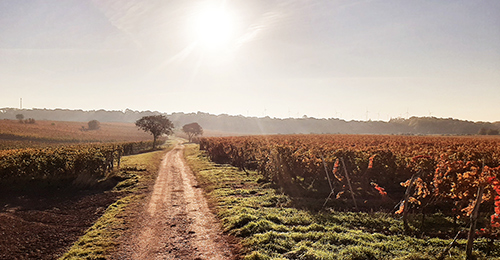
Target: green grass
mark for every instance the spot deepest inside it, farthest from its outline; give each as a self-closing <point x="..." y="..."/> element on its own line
<point x="269" y="227"/>
<point x="136" y="173"/>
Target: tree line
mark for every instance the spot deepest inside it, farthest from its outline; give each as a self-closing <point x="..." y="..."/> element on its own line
<point x="266" y="125"/>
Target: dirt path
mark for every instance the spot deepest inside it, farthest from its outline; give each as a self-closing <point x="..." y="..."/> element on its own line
<point x="176" y="222"/>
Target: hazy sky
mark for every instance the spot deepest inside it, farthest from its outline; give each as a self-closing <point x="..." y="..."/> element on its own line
<point x="372" y="59"/>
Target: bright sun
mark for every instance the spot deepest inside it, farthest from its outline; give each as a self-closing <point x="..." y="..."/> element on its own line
<point x="213" y="27"/>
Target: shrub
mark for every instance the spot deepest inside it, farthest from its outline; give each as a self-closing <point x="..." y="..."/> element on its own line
<point x="94" y="125"/>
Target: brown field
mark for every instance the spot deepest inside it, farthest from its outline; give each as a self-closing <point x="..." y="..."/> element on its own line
<point x="17" y="135"/>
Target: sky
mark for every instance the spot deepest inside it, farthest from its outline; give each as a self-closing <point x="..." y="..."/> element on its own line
<point x="348" y="59"/>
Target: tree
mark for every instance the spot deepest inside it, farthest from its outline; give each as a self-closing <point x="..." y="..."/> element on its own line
<point x="156" y="125"/>
<point x="493" y="132"/>
<point x="488" y="131"/>
<point x="482" y="131"/>
<point x="94" y="125"/>
<point x="20" y="117"/>
<point x="192" y="130"/>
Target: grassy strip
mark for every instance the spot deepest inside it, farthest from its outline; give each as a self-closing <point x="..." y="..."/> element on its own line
<point x="270" y="228"/>
<point x="137" y="172"/>
<point x="100" y="239"/>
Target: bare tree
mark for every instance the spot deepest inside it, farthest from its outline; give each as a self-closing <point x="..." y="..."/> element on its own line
<point x="156" y="125"/>
<point x="192" y="130"/>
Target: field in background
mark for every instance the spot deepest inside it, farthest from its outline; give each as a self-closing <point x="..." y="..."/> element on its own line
<point x="49" y="133"/>
<point x="15" y="135"/>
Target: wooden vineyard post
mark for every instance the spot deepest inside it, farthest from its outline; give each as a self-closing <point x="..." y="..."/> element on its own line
<point x="119" y="158"/>
<point x="405" y="204"/>
<point x="443" y="253"/>
<point x="329" y="181"/>
<point x="349" y="182"/>
<point x="472" y="230"/>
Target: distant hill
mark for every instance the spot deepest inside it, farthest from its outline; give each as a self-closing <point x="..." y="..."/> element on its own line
<point x="266" y="125"/>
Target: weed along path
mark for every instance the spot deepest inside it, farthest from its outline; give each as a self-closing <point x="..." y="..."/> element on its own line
<point x="175" y="222"/>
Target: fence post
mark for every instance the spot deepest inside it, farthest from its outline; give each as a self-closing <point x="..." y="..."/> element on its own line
<point x="472" y="230"/>
<point x="406" y="202"/>
<point x="349" y="182"/>
<point x="329" y="181"/>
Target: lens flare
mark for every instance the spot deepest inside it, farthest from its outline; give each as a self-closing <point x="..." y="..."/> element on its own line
<point x="213" y="27"/>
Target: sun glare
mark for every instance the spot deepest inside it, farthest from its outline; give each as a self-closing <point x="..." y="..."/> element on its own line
<point x="213" y="27"/>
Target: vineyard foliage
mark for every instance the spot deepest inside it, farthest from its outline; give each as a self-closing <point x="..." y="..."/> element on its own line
<point x="65" y="162"/>
<point x="447" y="170"/>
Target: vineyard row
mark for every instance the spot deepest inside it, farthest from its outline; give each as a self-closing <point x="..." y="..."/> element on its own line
<point x="437" y="172"/>
<point x="66" y="162"/>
